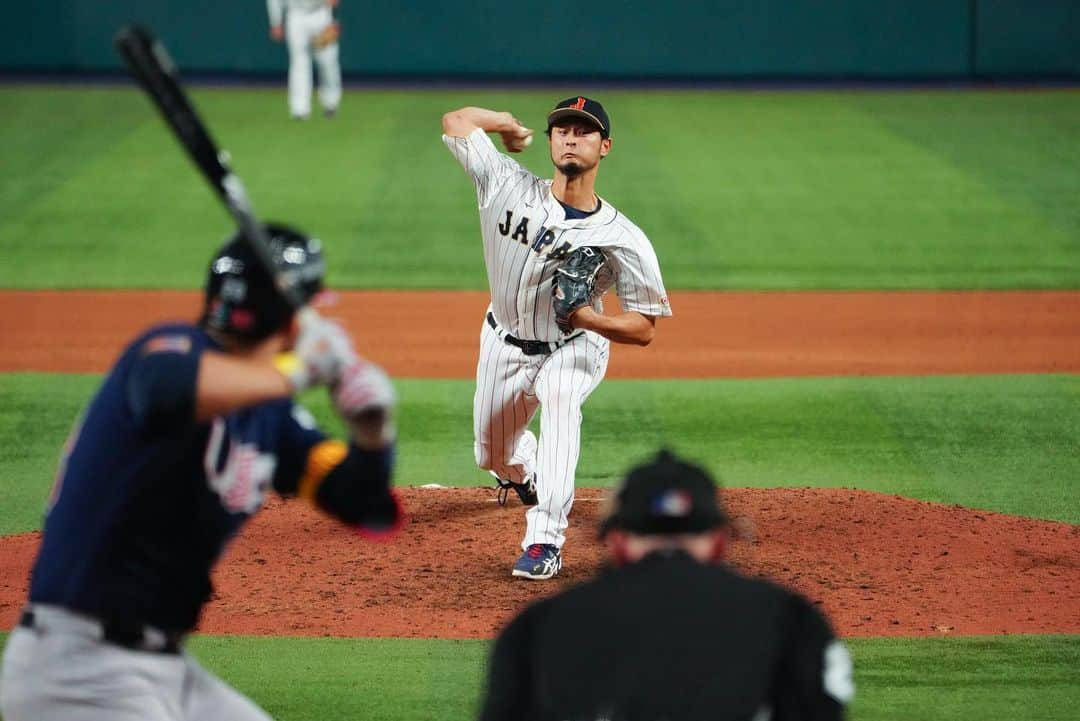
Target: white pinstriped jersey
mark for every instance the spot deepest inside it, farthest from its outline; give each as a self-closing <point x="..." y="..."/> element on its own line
<point x="526" y="235"/>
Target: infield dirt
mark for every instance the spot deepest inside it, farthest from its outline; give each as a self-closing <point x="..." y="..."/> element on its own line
<point x="712" y="335"/>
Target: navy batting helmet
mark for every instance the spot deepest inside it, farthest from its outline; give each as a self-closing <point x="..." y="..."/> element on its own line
<point x="241" y="299"/>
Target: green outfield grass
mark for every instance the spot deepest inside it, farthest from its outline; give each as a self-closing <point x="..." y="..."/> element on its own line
<point x="1020" y="678"/>
<point x="737" y="189"/>
<point x="1005" y="443"/>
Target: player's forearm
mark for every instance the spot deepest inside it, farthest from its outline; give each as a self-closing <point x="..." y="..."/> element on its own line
<point x="225" y="384"/>
<point x="353" y="484"/>
<point x="460" y="123"/>
<point x="631" y="327"/>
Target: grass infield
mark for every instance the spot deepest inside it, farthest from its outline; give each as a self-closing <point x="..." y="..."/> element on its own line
<point x="1022" y="678"/>
<point x="1004" y="443"/>
<point x="739" y="190"/>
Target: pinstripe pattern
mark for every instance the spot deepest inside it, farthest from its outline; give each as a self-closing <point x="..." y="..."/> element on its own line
<point x="564" y="383"/>
<point x="511" y="386"/>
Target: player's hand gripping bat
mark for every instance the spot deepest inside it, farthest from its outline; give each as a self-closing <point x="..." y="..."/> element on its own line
<point x="156" y="72"/>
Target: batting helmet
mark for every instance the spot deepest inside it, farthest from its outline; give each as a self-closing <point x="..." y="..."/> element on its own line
<point x="241" y="299"/>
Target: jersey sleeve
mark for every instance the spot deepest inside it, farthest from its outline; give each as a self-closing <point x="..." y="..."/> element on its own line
<point x="637" y="278"/>
<point x="350" y="483"/>
<point x="509" y="691"/>
<point x="488" y="168"/>
<point x="160" y="382"/>
<point x="814" y="679"/>
<point x="298" y="438"/>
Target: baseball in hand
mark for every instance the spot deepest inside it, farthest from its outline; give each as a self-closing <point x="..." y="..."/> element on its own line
<point x="517" y="139"/>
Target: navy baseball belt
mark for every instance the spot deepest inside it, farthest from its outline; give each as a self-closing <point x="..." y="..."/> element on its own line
<point x="136" y="636"/>
<point x="529" y="347"/>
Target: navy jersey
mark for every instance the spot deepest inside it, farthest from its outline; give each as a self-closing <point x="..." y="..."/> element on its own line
<point x="146" y="498"/>
<point x="669" y="639"/>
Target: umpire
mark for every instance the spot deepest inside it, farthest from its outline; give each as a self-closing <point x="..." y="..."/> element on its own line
<point x="668" y="633"/>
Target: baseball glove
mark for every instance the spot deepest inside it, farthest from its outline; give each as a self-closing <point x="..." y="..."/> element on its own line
<point x="574" y="283"/>
<point x="327" y="36"/>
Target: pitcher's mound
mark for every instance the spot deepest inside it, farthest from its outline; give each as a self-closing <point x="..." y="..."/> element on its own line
<point x="879" y="565"/>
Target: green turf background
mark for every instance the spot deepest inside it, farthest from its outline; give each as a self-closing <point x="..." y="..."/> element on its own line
<point x="1005" y="443"/>
<point x="967" y="678"/>
<point x="960" y="679"/>
<point x="736" y="189"/>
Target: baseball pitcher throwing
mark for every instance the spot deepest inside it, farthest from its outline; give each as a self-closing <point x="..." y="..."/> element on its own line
<point x="552" y="248"/>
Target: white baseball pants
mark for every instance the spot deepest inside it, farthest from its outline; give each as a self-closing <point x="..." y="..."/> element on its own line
<point x="301" y="27"/>
<point x="510" y="387"/>
<point x="62" y="671"/>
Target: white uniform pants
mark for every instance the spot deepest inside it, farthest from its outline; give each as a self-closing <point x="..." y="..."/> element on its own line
<point x="62" y="671"/>
<point x="510" y="386"/>
<point x="301" y="27"/>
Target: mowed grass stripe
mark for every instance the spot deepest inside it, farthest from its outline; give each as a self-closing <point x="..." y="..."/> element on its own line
<point x="962" y="679"/>
<point x="747" y="190"/>
<point x="1017" y="677"/>
<point x="1003" y="443"/>
<point x="1046" y="150"/>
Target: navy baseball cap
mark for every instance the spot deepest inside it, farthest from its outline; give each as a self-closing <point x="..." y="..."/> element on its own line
<point x="665" y="496"/>
<point x="581" y="107"/>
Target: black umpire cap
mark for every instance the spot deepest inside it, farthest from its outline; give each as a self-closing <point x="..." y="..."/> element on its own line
<point x="581" y="107"/>
<point x="666" y="496"/>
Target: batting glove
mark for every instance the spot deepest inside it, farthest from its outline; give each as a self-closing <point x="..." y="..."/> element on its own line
<point x="365" y="398"/>
<point x="322" y="352"/>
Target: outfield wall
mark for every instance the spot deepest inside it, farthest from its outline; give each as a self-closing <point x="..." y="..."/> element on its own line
<point x="602" y="38"/>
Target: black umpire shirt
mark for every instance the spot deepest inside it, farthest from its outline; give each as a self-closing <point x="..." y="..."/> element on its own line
<point x="669" y="639"/>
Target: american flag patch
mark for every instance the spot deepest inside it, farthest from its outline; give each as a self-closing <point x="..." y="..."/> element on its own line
<point x="168" y="344"/>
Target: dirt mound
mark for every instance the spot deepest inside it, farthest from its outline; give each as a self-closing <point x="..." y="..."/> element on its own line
<point x="879" y="565"/>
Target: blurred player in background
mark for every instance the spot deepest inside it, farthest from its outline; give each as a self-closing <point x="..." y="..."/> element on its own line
<point x="669" y="633"/>
<point x="309" y="29"/>
<point x="190" y="429"/>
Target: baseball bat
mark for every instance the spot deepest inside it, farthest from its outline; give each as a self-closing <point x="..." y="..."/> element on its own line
<point x="150" y="63"/>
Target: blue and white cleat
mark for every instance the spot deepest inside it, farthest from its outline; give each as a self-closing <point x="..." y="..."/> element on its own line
<point x="540" y="562"/>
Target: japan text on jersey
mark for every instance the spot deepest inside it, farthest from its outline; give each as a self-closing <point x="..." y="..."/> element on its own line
<point x="526" y="234"/>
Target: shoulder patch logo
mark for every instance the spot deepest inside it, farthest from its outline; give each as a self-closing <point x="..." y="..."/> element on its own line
<point x="168" y="344"/>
